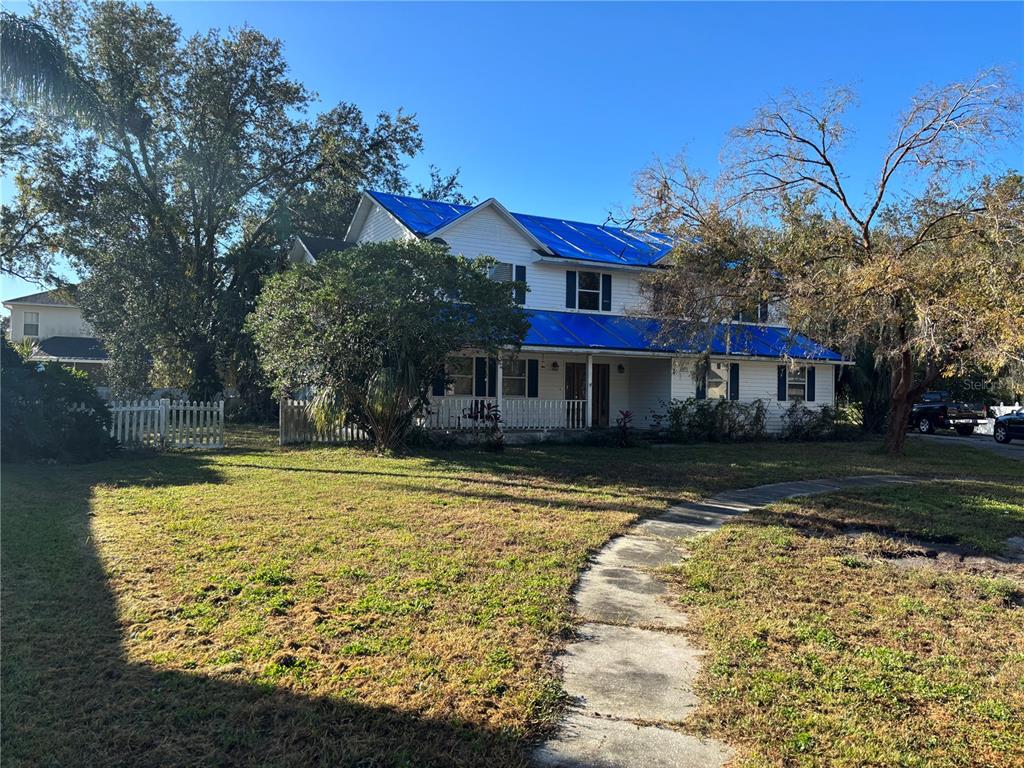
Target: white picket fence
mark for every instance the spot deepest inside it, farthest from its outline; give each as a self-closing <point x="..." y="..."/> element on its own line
<point x="168" y="423"/>
<point x="296" y="427"/>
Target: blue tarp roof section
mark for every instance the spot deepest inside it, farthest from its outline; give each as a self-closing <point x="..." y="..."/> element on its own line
<point x="568" y="239"/>
<point x="577" y="330"/>
<point x="421" y="216"/>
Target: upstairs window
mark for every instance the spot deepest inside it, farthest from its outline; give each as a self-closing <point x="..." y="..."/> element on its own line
<point x="31" y="326"/>
<point x="758" y="314"/>
<point x="506" y="272"/>
<point x="588" y="290"/>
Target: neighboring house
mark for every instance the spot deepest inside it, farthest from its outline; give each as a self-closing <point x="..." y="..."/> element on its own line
<point x="589" y="353"/>
<point x="52" y="323"/>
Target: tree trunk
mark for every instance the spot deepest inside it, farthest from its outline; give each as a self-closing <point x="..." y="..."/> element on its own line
<point x="900" y="405"/>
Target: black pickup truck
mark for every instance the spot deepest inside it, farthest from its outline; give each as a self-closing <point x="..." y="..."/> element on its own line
<point x="936" y="411"/>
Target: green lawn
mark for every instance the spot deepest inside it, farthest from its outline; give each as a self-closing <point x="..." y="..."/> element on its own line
<point x="262" y="606"/>
<point x="826" y="651"/>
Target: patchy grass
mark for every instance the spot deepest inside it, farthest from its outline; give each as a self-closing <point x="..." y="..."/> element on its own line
<point x="327" y="606"/>
<point x="825" y="653"/>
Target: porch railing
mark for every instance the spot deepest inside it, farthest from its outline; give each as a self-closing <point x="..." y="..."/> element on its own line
<point x="458" y="413"/>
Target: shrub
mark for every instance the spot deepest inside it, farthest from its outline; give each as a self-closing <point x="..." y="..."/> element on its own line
<point x="50" y="412"/>
<point x="802" y="423"/>
<point x="693" y="420"/>
<point x="623" y="429"/>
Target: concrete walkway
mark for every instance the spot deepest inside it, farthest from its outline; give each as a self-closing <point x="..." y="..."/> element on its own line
<point x="630" y="673"/>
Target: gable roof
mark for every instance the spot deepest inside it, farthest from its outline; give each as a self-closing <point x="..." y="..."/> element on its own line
<point x="316" y="245"/>
<point x="557" y="237"/>
<point x="56" y="297"/>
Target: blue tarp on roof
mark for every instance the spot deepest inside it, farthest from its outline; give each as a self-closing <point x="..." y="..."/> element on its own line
<point x="564" y="238"/>
<point x="577" y="330"/>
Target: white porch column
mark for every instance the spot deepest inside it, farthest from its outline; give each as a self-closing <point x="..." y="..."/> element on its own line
<point x="590" y="392"/>
<point x="498" y="390"/>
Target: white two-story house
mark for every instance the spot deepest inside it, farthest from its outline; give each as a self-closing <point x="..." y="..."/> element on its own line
<point x="53" y="325"/>
<point x="589" y="353"/>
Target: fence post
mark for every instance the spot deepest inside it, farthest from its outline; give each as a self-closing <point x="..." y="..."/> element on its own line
<point x="220" y="424"/>
<point x="165" y="404"/>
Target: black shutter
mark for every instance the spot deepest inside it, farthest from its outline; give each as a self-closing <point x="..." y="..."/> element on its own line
<point x="570" y="289"/>
<point x="492" y="376"/>
<point x="782" y="384"/>
<point x="532" y="377"/>
<point x="734" y="381"/>
<point x="437" y="389"/>
<point x="810" y="383"/>
<point x="520" y="297"/>
<point x="606" y="293"/>
<point x="702" y="387"/>
<point x="480" y="376"/>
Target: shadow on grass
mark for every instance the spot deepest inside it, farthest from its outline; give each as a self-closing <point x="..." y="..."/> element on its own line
<point x="72" y="697"/>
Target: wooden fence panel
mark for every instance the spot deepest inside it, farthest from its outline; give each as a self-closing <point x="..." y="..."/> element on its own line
<point x="168" y="423"/>
<point x="294" y="426"/>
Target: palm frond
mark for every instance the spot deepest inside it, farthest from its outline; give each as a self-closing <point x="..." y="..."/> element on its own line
<point x="35" y="68"/>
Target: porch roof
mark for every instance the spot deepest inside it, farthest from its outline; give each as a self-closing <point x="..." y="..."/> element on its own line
<point x="578" y="330"/>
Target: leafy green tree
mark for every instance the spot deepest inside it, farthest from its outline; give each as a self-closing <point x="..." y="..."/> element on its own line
<point x="925" y="273"/>
<point x="50" y="412"/>
<point x="183" y="195"/>
<point x="368" y="330"/>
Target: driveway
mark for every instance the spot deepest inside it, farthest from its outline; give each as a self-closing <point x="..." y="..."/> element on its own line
<point x="1014" y="450"/>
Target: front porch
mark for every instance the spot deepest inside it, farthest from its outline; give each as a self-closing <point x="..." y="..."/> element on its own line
<point x="550" y="391"/>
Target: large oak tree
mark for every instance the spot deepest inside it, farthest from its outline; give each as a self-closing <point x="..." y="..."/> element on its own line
<point x="177" y="192"/>
<point x="924" y="271"/>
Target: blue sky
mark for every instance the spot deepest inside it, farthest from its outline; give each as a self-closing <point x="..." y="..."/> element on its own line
<point x="552" y="108"/>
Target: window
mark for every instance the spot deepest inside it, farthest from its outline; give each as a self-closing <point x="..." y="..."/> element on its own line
<point x="500" y="272"/>
<point x="31" y="327"/>
<point x="460" y="372"/>
<point x="588" y="290"/>
<point x="758" y="314"/>
<point x="717" y="386"/>
<point x="513" y="378"/>
<point x="796" y="384"/>
<point x="505" y="272"/>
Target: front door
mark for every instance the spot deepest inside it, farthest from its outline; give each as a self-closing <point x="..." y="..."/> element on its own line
<point x="576" y="389"/>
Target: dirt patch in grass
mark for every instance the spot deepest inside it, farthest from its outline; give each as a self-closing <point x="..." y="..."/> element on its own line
<point x="327" y="606"/>
<point x="824" y="652"/>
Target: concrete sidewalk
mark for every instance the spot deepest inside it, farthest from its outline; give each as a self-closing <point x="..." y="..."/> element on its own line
<point x="630" y="673"/>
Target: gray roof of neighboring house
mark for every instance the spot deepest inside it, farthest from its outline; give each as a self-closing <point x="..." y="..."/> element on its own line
<point x="318" y="245"/>
<point x="70" y="348"/>
<point x="57" y="297"/>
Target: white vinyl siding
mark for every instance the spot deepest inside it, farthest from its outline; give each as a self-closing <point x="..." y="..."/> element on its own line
<point x="381" y="225"/>
<point x="51" y="321"/>
<point x="489" y="233"/>
<point x="758" y="380"/>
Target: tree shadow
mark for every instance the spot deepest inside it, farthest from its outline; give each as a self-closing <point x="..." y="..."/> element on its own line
<point x="71" y="695"/>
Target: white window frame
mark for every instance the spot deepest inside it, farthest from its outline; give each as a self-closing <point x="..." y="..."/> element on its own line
<point x="495" y="271"/>
<point x="599" y="292"/>
<point x="796" y="377"/>
<point x="455" y="379"/>
<point x="25" y="324"/>
<point x="510" y="377"/>
<point x="722" y="386"/>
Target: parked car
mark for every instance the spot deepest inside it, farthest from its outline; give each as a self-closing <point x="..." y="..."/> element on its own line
<point x="935" y="411"/>
<point x="1009" y="426"/>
